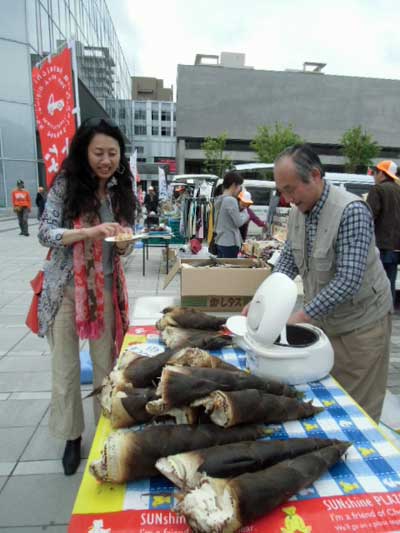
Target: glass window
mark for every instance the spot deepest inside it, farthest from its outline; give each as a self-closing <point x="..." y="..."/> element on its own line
<point x="155" y="113"/>
<point x="140" y="149"/>
<point x="140" y="114"/>
<point x="32" y="29"/>
<point x="154" y="130"/>
<point x="165" y="116"/>
<point x="141" y="160"/>
<point x="165" y="131"/>
<point x="44" y="21"/>
<point x="122" y="113"/>
<point x="260" y="195"/>
<point x="140" y="130"/>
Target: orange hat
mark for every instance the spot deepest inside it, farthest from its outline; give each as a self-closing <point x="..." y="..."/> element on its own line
<point x="245" y="198"/>
<point x="389" y="168"/>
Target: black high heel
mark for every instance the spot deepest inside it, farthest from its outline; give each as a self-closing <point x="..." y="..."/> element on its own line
<point x="72" y="456"/>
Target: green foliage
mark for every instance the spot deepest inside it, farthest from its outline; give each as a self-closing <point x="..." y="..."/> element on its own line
<point x="359" y="148"/>
<point x="270" y="141"/>
<point x="216" y="162"/>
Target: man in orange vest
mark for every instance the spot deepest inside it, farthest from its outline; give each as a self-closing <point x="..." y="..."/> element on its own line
<point x="21" y="201"/>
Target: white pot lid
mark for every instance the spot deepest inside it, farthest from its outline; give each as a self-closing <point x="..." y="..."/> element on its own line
<point x="269" y="310"/>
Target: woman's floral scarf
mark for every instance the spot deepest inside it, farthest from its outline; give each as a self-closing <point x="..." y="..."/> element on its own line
<point x="89" y="289"/>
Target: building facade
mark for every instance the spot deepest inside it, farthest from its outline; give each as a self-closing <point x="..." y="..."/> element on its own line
<point x="150" y="89"/>
<point x="212" y="99"/>
<point x="30" y="30"/>
<point x="151" y="125"/>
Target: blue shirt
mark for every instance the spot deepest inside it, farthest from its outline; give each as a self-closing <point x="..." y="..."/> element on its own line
<point x="355" y="232"/>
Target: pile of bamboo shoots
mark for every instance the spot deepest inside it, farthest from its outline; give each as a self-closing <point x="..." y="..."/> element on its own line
<point x="208" y="447"/>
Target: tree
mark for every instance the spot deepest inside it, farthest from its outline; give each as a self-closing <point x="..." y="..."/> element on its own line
<point x="270" y="141"/>
<point x="216" y="162"/>
<point x="359" y="148"/>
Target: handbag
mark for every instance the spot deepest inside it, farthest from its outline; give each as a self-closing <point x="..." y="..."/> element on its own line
<point x="212" y="246"/>
<point x="32" y="318"/>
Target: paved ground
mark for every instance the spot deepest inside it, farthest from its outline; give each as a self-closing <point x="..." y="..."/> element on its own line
<point x="34" y="494"/>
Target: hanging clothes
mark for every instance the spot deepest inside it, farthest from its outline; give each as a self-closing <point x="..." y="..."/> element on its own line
<point x="195" y="218"/>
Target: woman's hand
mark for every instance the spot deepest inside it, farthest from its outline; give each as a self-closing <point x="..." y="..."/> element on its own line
<point x="101" y="231"/>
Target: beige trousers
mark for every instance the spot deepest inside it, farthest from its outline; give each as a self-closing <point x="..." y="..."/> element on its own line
<point x="361" y="364"/>
<point x="66" y="412"/>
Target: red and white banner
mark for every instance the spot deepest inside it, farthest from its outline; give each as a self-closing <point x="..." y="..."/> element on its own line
<point x="54" y="109"/>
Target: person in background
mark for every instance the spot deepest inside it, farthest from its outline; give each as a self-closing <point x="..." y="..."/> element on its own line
<point x="151" y="200"/>
<point x="40" y="201"/>
<point x="22" y="204"/>
<point x="84" y="293"/>
<point x="228" y="218"/>
<point x="384" y="201"/>
<point x="331" y="244"/>
<point x="245" y="202"/>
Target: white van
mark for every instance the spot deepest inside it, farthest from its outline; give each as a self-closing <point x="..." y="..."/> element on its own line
<point x="192" y="178"/>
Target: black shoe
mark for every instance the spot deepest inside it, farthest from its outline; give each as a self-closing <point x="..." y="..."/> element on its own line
<point x="72" y="456"/>
<point x="26" y="234"/>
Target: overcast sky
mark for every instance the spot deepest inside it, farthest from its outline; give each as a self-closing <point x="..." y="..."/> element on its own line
<point x="354" y="37"/>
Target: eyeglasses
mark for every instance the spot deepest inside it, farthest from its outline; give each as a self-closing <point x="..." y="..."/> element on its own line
<point x="96" y="121"/>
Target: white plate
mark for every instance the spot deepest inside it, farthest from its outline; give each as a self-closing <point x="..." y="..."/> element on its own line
<point x="131" y="238"/>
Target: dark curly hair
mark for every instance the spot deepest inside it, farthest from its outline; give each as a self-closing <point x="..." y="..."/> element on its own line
<point x="82" y="184"/>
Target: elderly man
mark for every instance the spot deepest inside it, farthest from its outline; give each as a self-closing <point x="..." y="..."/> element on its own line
<point x="384" y="201"/>
<point x="331" y="244"/>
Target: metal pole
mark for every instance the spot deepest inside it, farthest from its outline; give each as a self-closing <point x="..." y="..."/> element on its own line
<point x="3" y="169"/>
<point x="77" y="110"/>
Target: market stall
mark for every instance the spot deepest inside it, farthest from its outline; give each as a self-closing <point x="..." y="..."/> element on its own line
<point x="360" y="493"/>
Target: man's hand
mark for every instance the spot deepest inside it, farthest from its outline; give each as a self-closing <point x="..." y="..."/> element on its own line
<point x="299" y="317"/>
<point x="245" y="310"/>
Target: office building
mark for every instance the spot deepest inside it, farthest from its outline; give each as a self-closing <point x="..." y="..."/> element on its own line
<point x="30" y="30"/>
<point x="150" y="89"/>
<point x="216" y="96"/>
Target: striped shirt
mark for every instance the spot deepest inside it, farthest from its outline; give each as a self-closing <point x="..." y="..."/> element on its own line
<point x="354" y="236"/>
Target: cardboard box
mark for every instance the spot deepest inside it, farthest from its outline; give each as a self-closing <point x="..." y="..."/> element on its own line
<point x="224" y="288"/>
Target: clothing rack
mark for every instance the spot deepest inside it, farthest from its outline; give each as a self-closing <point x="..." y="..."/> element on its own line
<point x="195" y="214"/>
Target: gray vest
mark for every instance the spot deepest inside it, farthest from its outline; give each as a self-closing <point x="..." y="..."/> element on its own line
<point x="372" y="301"/>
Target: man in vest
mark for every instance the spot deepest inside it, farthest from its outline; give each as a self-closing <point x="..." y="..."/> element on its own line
<point x="331" y="244"/>
<point x="21" y="202"/>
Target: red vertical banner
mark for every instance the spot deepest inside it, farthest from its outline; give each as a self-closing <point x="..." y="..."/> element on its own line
<point x="54" y="105"/>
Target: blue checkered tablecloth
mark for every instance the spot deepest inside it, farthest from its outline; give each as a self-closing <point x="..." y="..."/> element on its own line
<point x="372" y="464"/>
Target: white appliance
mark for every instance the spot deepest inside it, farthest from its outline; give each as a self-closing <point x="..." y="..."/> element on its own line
<point x="291" y="354"/>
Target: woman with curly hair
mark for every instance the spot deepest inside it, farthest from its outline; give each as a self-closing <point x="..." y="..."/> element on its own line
<point x="84" y="292"/>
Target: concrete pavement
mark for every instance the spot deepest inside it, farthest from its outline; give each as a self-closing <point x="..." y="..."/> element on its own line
<point x="34" y="494"/>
